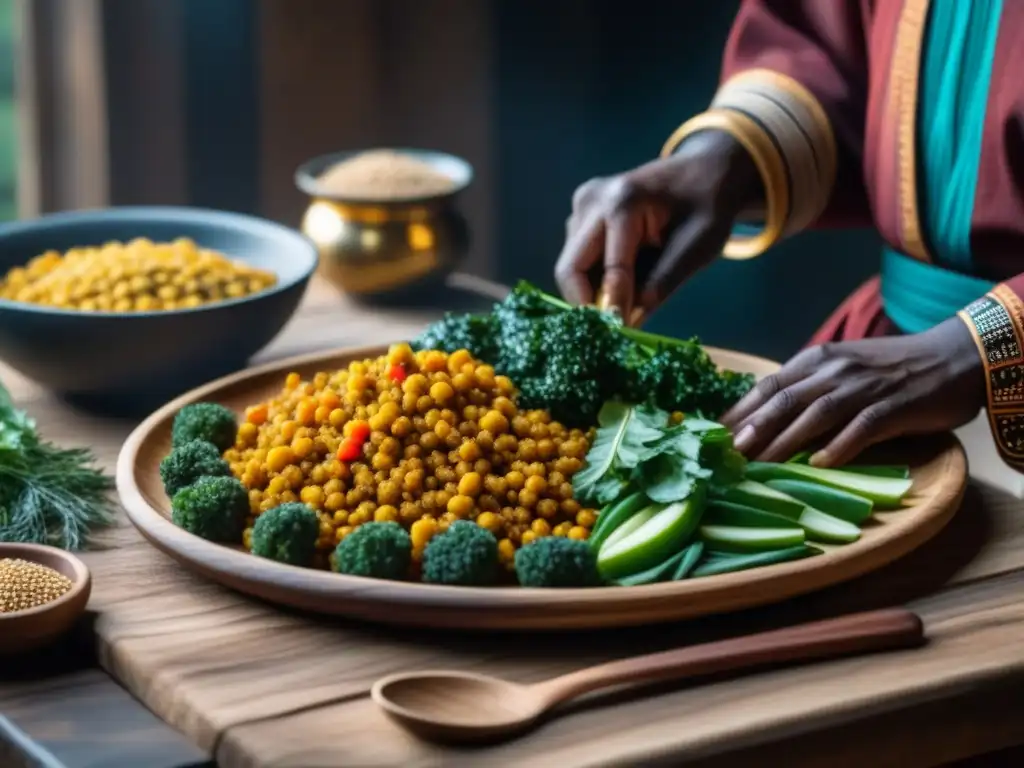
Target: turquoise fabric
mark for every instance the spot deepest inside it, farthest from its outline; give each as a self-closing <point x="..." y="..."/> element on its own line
<point x="918" y="296"/>
<point x="956" y="70"/>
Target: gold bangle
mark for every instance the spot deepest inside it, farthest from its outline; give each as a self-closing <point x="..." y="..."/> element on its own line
<point x="769" y="164"/>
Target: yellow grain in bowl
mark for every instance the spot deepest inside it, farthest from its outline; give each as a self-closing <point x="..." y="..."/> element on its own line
<point x="137" y="276"/>
<point x="25" y="585"/>
<point x="384" y="175"/>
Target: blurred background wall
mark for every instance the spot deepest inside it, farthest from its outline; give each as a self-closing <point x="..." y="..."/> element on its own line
<point x="215" y="103"/>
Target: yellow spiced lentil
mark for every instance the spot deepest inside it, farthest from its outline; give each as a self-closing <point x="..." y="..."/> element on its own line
<point x="25" y="585"/>
<point x="133" y="277"/>
<point x="444" y="442"/>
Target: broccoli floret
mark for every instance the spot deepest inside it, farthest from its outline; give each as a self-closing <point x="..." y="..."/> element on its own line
<point x="189" y="462"/>
<point x="213" y="508"/>
<point x="580" y="347"/>
<point x="377" y="550"/>
<point x="571" y="360"/>
<point x="465" y="554"/>
<point x="204" y="421"/>
<point x="683" y="377"/>
<point x="286" y="533"/>
<point x="554" y="561"/>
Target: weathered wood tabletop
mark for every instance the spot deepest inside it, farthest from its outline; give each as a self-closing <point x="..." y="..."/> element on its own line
<point x="253" y="685"/>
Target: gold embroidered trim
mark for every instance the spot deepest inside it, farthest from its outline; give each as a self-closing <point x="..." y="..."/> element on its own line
<point x="903" y="91"/>
<point x="997" y="320"/>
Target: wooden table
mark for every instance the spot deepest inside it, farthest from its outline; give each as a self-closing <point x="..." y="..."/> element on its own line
<point x="253" y="685"/>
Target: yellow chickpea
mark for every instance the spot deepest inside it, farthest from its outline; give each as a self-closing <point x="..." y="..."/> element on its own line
<point x="441" y="391"/>
<point x="494" y="422"/>
<point x="313" y="495"/>
<point x="515" y="480"/>
<point x="506" y="551"/>
<point x="385" y="514"/>
<point x="490" y="522"/>
<point x="422" y="531"/>
<point x="562" y="529"/>
<point x="280" y="457"/>
<point x="547" y="508"/>
<point x="578" y="532"/>
<point x="470" y="484"/>
<point x="586" y="518"/>
<point x="459" y="506"/>
<point x="536" y="484"/>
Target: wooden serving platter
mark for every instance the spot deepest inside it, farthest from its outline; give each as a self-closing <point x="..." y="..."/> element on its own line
<point x="939" y="470"/>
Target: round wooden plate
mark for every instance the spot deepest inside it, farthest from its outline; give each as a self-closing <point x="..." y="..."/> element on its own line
<point x="939" y="472"/>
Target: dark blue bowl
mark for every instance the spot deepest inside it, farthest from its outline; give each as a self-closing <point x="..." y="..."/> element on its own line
<point x="130" y="362"/>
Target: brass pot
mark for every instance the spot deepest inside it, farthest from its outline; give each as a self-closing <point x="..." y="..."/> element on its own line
<point x="375" y="248"/>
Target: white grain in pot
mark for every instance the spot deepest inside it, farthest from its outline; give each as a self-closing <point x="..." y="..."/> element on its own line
<point x="383" y="175"/>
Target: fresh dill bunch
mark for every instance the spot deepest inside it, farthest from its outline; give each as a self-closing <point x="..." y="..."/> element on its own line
<point x="48" y="494"/>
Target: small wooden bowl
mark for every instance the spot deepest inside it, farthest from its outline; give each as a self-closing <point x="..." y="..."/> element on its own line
<point x="27" y="630"/>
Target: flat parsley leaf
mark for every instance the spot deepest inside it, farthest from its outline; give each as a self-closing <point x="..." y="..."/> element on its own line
<point x="623" y="435"/>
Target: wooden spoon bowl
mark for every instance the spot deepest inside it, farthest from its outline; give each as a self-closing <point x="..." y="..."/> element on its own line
<point x="26" y="630"/>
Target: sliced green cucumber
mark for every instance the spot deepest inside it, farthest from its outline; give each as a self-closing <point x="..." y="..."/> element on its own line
<point x="734" y="538"/>
<point x="818" y="525"/>
<point x="691" y="556"/>
<point x="760" y="496"/>
<point x="661" y="572"/>
<point x="879" y="470"/>
<point x="886" y="492"/>
<point x="729" y="514"/>
<point x="614" y="515"/>
<point x="631" y="524"/>
<point x="655" y="539"/>
<point x="729" y="563"/>
<point x="842" y="504"/>
<point x="822" y="527"/>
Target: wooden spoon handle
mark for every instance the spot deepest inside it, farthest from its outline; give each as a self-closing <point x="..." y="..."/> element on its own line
<point x="855" y="633"/>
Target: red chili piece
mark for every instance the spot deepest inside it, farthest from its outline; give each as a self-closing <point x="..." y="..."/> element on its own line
<point x="350" y="450"/>
<point x="397" y="372"/>
<point x="359" y="432"/>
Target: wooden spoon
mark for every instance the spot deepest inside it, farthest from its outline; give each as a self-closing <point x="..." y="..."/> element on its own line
<point x="456" y="706"/>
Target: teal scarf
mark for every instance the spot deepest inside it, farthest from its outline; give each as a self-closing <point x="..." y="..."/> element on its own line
<point x="956" y="71"/>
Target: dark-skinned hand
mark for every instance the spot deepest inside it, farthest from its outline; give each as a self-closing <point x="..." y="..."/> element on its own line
<point x="683" y="206"/>
<point x="850" y="395"/>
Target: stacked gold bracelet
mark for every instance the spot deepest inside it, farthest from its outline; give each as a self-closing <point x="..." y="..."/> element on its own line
<point x="769" y="164"/>
<point x="789" y="137"/>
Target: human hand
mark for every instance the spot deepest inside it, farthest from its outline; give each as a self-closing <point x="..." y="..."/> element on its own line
<point x="684" y="206"/>
<point x="862" y="392"/>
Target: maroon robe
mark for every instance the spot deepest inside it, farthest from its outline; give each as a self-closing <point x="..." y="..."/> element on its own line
<point x="859" y="59"/>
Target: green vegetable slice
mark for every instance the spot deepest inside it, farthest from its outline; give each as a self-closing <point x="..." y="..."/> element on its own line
<point x="730" y="514"/>
<point x="648" y="544"/>
<point x="822" y="527"/>
<point x="879" y="470"/>
<point x="734" y="538"/>
<point x="760" y="496"/>
<point x="817" y="525"/>
<point x="887" y="492"/>
<point x="619" y="445"/>
<point x="842" y="504"/>
<point x="691" y="557"/>
<point x="614" y="515"/>
<point x="631" y="524"/>
<point x="730" y="563"/>
<point x="661" y="572"/>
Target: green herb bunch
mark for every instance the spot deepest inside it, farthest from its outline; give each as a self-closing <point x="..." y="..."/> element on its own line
<point x="48" y="494"/>
<point x="571" y="360"/>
